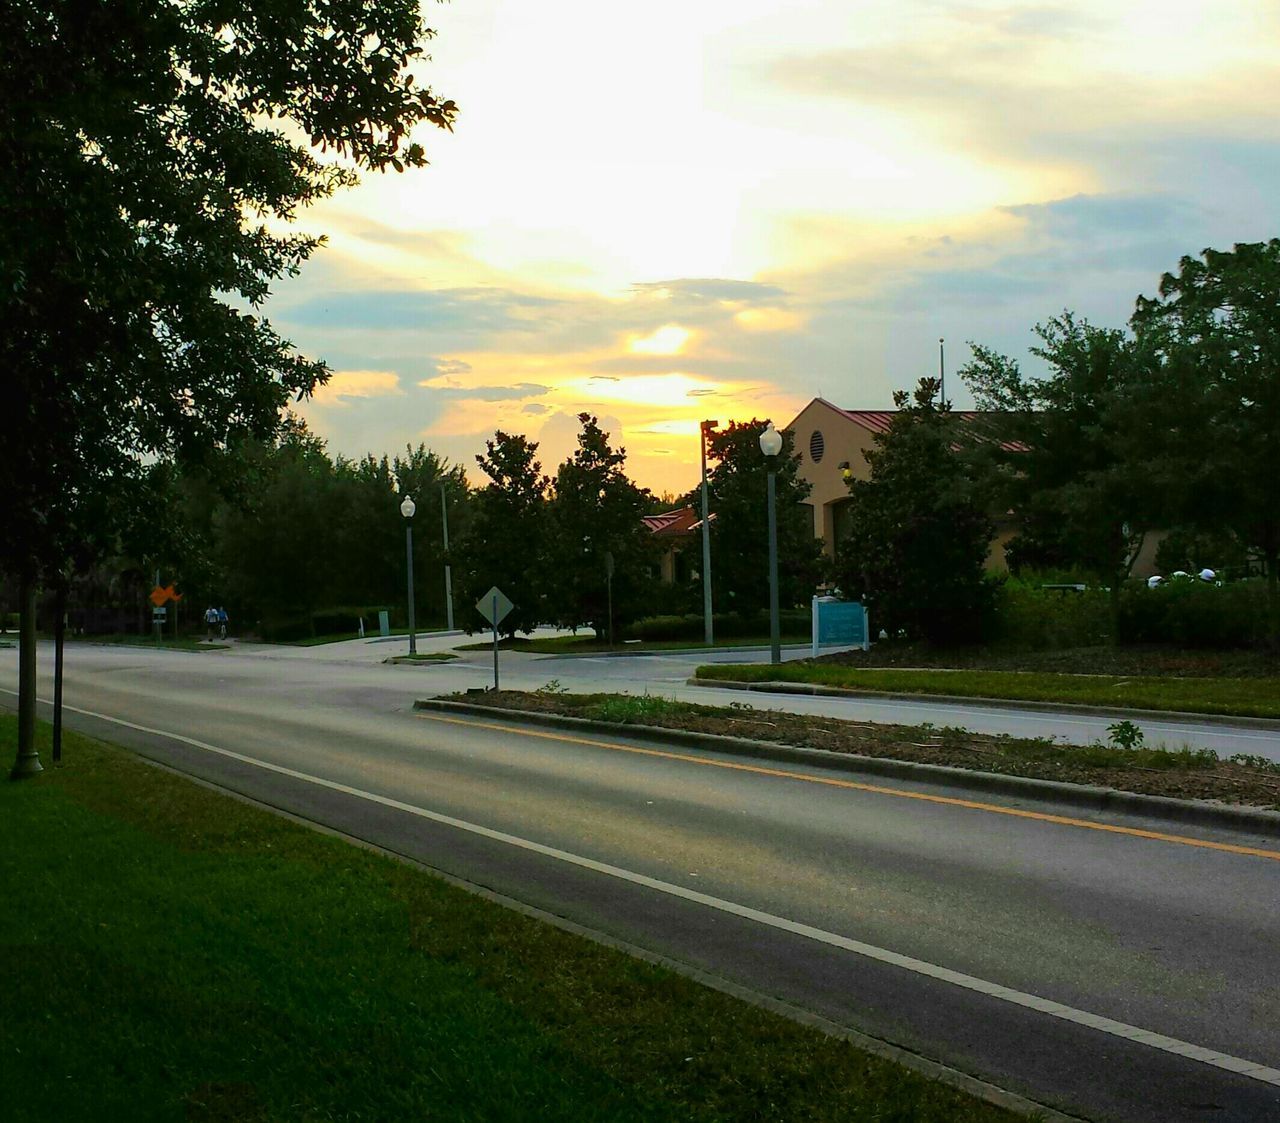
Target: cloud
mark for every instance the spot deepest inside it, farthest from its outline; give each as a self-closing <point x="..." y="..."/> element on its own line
<point x="458" y="312"/>
<point x="453" y="390"/>
<point x="452" y="366"/>
<point x="710" y="290"/>
<point x="536" y="408"/>
<point x="346" y="384"/>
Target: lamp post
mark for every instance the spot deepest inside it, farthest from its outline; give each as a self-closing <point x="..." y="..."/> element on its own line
<point x="448" y="575"/>
<point x="771" y="445"/>
<point x="707" y="629"/>
<point x="406" y="509"/>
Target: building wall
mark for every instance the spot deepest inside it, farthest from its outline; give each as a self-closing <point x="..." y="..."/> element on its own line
<point x="843" y="441"/>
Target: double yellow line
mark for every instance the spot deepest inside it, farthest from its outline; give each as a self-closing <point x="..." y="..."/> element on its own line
<point x="878" y="789"/>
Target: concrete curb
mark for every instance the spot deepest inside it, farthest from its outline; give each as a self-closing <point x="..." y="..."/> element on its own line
<point x="1267" y="723"/>
<point x="1112" y="800"/>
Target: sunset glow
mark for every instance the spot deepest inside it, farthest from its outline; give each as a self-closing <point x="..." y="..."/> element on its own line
<point x="801" y="200"/>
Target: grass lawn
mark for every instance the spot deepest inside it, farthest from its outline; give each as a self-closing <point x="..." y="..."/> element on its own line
<point x="423" y="657"/>
<point x="171" y="953"/>
<point x="591" y="644"/>
<point x="1248" y="697"/>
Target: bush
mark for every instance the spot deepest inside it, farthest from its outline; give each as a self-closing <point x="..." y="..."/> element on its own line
<point x="1029" y="616"/>
<point x="1195" y="614"/>
<point x="730" y="625"/>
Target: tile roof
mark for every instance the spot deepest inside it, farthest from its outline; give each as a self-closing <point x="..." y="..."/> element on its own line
<point x="879" y="420"/>
<point x="669" y="524"/>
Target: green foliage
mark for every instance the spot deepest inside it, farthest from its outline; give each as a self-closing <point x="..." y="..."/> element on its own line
<point x="506" y="541"/>
<point x="1061" y="449"/>
<point x="1196" y="614"/>
<point x="627" y="708"/>
<point x="1125" y="735"/>
<point x="918" y="532"/>
<point x="1214" y="324"/>
<point x="595" y="516"/>
<point x="1031" y="617"/>
<point x="152" y="154"/>
<point x="737" y="479"/>
<point x="792" y="622"/>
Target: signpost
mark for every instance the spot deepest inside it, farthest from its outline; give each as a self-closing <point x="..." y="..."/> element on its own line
<point x="839" y="622"/>
<point x="494" y="607"/>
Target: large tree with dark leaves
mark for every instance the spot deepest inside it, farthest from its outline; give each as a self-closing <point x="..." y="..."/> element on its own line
<point x="738" y="479"/>
<point x="1216" y="326"/>
<point x="599" y="549"/>
<point x="152" y="152"/>
<point x="918" y="529"/>
<point x="505" y="540"/>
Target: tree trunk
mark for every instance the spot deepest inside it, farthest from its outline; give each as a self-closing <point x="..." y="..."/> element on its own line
<point x="28" y="761"/>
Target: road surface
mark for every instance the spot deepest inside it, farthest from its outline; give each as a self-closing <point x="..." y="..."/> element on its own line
<point x="1115" y="968"/>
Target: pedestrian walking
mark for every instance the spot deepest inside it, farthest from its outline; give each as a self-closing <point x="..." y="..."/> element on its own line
<point x="210" y="621"/>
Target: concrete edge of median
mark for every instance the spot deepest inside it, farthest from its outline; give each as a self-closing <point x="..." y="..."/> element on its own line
<point x="823" y="691"/>
<point x="1252" y="820"/>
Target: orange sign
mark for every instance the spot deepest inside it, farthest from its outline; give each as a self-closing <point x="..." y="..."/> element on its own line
<point x="160" y="596"/>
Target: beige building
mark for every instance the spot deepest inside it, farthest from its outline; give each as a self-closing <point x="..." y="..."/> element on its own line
<point x="831" y="442"/>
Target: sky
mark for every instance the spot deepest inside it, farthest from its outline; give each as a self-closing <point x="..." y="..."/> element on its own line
<point x="724" y="208"/>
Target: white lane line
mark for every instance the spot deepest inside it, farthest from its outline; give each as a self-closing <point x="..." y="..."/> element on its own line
<point x="1172" y="1045"/>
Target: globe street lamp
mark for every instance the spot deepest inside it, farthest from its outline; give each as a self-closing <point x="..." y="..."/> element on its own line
<point x="771" y="445"/>
<point x="708" y="635"/>
<point x="406" y="509"/>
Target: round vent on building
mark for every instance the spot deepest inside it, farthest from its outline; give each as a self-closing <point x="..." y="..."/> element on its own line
<point x="817" y="446"/>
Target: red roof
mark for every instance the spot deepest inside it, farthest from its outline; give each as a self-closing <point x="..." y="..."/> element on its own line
<point x="879" y="420"/>
<point x="671" y="524"/>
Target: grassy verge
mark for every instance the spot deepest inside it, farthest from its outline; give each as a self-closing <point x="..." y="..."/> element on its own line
<point x="1247" y="697"/>
<point x="1183" y="773"/>
<point x="423" y="657"/>
<point x="172" y="953"/>
<point x="589" y="645"/>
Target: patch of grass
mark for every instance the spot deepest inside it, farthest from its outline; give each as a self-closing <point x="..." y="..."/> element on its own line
<point x="173" y="953"/>
<point x="423" y="657"/>
<point x="1247" y="697"/>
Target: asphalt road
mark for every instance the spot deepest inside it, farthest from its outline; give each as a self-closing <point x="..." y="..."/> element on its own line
<point x="1075" y="959"/>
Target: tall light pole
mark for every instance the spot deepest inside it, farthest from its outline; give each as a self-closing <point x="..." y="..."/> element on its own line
<point x="771" y="445"/>
<point x="448" y="575"/>
<point x="708" y="631"/>
<point x="406" y="509"/>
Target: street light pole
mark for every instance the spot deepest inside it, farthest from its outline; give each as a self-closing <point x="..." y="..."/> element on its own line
<point x="448" y="575"/>
<point x="771" y="445"/>
<point x="707" y="629"/>
<point x="406" y="509"/>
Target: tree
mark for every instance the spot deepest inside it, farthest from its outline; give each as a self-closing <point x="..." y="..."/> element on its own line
<point x="1069" y="450"/>
<point x="506" y="541"/>
<point x="598" y="538"/>
<point x="1216" y="326"/>
<point x="737" y="482"/>
<point x="150" y="157"/>
<point x="918" y="529"/>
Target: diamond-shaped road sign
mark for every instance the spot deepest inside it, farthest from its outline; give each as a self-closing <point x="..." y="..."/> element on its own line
<point x="494" y="606"/>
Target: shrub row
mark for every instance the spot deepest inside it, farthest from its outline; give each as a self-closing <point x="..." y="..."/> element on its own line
<point x="1190" y="613"/>
<point x="730" y="625"/>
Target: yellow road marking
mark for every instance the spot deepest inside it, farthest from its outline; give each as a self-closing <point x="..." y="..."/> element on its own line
<point x="878" y="789"/>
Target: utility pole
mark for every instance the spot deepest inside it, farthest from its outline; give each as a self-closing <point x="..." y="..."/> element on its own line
<point x="707" y="629"/>
<point x="448" y="575"/>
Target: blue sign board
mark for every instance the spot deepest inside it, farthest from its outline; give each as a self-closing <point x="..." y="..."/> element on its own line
<point x="839" y="623"/>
